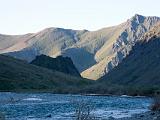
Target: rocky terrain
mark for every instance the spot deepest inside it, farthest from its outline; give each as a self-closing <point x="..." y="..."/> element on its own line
<point x="60" y="63"/>
<point x="94" y="53"/>
<point x="139" y="71"/>
<point x="144" y="116"/>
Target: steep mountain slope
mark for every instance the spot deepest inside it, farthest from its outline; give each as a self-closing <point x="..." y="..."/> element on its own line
<point x="17" y="75"/>
<point x="113" y="52"/>
<point x="141" y="68"/>
<point x="94" y="53"/>
<point x="61" y="64"/>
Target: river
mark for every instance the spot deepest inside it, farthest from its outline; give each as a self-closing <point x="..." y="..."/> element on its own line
<point x="47" y="106"/>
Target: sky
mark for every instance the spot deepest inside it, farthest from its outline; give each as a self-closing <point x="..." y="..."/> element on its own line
<point x="28" y="16"/>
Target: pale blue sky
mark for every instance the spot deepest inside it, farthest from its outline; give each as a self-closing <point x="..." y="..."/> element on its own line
<point x="23" y="16"/>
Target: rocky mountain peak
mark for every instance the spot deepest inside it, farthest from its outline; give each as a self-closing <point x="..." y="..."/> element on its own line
<point x="153" y="33"/>
<point x="138" y="18"/>
<point x="141" y="66"/>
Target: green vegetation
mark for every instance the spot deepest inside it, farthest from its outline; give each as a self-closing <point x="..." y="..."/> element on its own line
<point x="116" y="89"/>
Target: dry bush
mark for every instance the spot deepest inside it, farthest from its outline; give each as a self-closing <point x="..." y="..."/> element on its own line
<point x="84" y="111"/>
<point x="156" y="104"/>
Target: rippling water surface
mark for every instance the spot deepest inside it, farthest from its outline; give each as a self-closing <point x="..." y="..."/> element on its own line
<point x="46" y="106"/>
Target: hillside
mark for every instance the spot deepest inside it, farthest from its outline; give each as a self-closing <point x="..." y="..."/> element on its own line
<point x="61" y="64"/>
<point x="140" y="70"/>
<point x="17" y="75"/>
<point x="94" y="53"/>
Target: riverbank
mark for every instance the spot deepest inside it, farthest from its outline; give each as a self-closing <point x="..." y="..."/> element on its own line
<point x="150" y="115"/>
<point x="2" y="117"/>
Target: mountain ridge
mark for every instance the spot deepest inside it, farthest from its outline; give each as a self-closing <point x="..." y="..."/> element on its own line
<point x="139" y="72"/>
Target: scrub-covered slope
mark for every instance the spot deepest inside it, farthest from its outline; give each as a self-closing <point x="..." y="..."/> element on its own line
<point x="17" y="75"/>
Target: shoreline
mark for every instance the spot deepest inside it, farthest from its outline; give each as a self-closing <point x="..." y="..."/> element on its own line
<point x="149" y="115"/>
<point x="82" y="94"/>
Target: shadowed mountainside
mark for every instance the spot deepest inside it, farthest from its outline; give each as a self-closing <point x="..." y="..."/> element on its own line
<point x="61" y="64"/>
<point x="18" y="75"/>
<point x="139" y="72"/>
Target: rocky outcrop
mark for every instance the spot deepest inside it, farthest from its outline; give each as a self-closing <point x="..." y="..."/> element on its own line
<point x="141" y="67"/>
<point x="122" y="45"/>
<point x="61" y="64"/>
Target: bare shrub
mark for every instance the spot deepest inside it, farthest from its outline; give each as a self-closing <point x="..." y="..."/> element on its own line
<point x="156" y="104"/>
<point x="84" y="111"/>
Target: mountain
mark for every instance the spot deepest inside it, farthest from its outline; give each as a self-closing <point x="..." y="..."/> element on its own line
<point x="140" y="70"/>
<point x="61" y="64"/>
<point x="18" y="75"/>
<point x="117" y="47"/>
<point x="94" y="53"/>
<point x="11" y="43"/>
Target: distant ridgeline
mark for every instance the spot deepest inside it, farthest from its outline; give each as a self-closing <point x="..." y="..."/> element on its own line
<point x="61" y="64"/>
